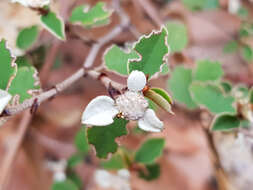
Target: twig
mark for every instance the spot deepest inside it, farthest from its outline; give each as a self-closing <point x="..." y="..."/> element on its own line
<point x="11" y="154"/>
<point x="53" y="146"/>
<point x="124" y="22"/>
<point x="62" y="86"/>
<point x="49" y="61"/>
<point x="150" y="11"/>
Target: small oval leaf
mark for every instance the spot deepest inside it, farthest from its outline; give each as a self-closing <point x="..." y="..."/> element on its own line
<point x="225" y="122"/>
<point x="158" y="99"/>
<point x="164" y="94"/>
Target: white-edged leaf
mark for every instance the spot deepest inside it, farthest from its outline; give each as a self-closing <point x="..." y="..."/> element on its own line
<point x="54" y="24"/>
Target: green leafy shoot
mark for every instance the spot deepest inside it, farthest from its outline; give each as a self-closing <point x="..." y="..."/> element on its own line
<point x="91" y="17"/>
<point x="116" y="59"/>
<point x="208" y="71"/>
<point x="177" y="36"/>
<point x="225" y="122"/>
<point x="8" y="67"/>
<point x="179" y="84"/>
<point x="150" y="151"/>
<point x="54" y="25"/>
<point x="103" y="138"/>
<point x="153" y="51"/>
<point x="212" y="97"/>
<point x="26" y="83"/>
<point x="27" y="37"/>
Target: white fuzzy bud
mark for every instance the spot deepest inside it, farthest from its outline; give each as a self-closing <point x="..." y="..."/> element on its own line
<point x="136" y="81"/>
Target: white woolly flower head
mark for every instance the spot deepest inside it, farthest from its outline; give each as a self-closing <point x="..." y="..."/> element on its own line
<point x="132" y="105"/>
<point x="5" y="97"/>
<point x="32" y="3"/>
<point x="136" y="81"/>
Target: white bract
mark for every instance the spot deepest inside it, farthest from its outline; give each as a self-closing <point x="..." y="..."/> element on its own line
<point x="5" y="97"/>
<point x="32" y="3"/>
<point x="131" y="105"/>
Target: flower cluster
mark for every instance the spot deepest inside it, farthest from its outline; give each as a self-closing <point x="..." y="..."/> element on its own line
<point x="130" y="105"/>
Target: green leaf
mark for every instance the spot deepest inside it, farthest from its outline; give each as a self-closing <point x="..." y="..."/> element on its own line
<point x="75" y="179"/>
<point x="116" y="59"/>
<point x="96" y="16"/>
<point x="179" y="83"/>
<point x="247" y="53"/>
<point x="103" y="138"/>
<point x="54" y="24"/>
<point x="153" y="52"/>
<point x="81" y="141"/>
<point x="26" y="83"/>
<point x="150" y="151"/>
<point x="8" y="67"/>
<point x="211" y="97"/>
<point x="227" y="87"/>
<point x="115" y="163"/>
<point x="153" y="172"/>
<point x="163" y="93"/>
<point x="159" y="99"/>
<point x="177" y="36"/>
<point x="65" y="185"/>
<point x="75" y="160"/>
<point x="230" y="47"/>
<point x="27" y="37"/>
<point x="225" y="122"/>
<point x="208" y="71"/>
